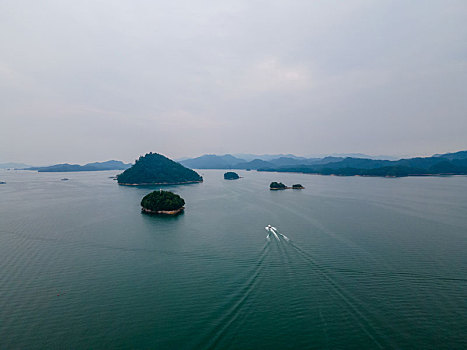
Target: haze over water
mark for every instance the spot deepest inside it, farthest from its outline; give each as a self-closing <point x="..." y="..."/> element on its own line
<point x="372" y="263"/>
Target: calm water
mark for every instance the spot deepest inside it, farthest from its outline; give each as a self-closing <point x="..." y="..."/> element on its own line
<point x="372" y="263"/>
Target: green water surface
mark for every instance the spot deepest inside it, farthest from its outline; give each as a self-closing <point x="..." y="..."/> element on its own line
<point x="371" y="263"/>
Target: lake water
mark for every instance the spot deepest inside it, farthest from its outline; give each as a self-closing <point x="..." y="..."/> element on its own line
<point x="371" y="263"/>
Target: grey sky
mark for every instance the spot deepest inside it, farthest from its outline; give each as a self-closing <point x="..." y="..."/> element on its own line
<point x="95" y="80"/>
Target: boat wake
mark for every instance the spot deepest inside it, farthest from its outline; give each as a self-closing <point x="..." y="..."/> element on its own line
<point x="273" y="232"/>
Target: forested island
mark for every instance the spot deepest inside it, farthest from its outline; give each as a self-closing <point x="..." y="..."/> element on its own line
<point x="162" y="202"/>
<point x="230" y="175"/>
<point x="156" y="169"/>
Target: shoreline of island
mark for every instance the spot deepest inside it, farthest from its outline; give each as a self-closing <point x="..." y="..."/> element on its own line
<point x="163" y="212"/>
<point x="287" y="188"/>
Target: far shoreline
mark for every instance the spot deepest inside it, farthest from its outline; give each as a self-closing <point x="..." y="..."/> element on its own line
<point x="357" y="175"/>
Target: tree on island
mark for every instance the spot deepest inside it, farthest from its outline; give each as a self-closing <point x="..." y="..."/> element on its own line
<point x="277" y="186"/>
<point x="162" y="202"/>
<point x="230" y="175"/>
<point x="154" y="168"/>
<point x="297" y="187"/>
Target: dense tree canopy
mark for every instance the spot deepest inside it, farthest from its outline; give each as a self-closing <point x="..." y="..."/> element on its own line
<point x="162" y="200"/>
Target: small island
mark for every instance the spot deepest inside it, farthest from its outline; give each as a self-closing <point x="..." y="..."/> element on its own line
<point x="2" y="182"/>
<point x="230" y="175"/>
<point x="277" y="186"/>
<point x="162" y="203"/>
<point x="155" y="169"/>
<point x="281" y="186"/>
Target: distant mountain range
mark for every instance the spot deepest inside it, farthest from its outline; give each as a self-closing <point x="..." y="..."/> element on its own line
<point x="268" y="157"/>
<point x="211" y="161"/>
<point x="97" y="166"/>
<point x="439" y="164"/>
<point x="366" y="156"/>
<point x="228" y="161"/>
<point x="13" y="166"/>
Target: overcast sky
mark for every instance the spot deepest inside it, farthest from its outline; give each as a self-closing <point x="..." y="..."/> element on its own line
<point x="95" y="80"/>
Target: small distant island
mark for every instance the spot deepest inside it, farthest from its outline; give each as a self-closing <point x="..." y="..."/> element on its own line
<point x="230" y="175"/>
<point x="162" y="202"/>
<point x="280" y="186"/>
<point x="277" y="186"/>
<point x="156" y="169"/>
<point x="2" y="182"/>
